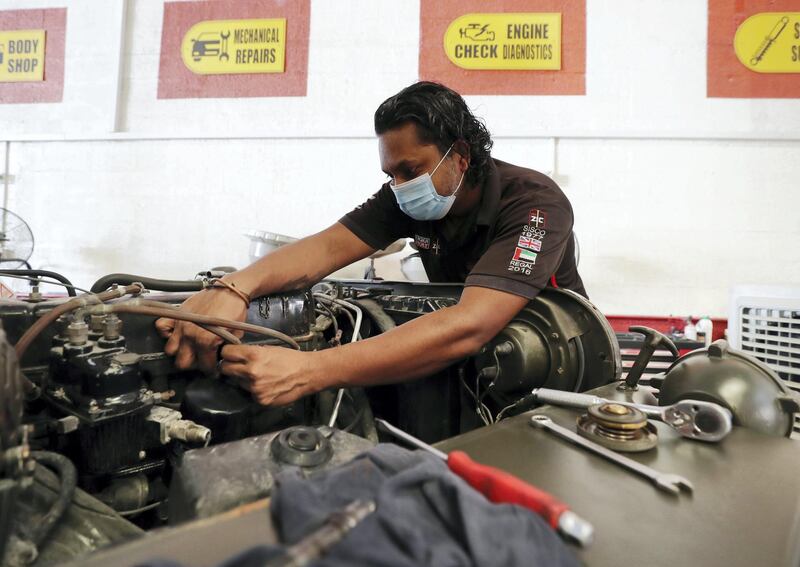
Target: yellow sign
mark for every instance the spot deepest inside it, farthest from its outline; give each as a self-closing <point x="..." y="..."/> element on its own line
<point x="505" y="41"/>
<point x="21" y="56"/>
<point x="224" y="47"/>
<point x="769" y="42"/>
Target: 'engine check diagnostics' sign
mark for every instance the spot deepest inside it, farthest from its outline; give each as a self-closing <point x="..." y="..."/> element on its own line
<point x="222" y="47"/>
<point x="513" y="47"/>
<point x="505" y="41"/>
<point x="22" y="56"/>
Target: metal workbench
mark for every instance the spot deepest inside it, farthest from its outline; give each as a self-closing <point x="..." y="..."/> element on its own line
<point x="745" y="509"/>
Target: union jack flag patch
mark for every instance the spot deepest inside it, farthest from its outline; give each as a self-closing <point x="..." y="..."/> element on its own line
<point x="530" y="243"/>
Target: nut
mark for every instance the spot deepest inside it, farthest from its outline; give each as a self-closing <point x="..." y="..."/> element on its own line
<point x="78" y="333"/>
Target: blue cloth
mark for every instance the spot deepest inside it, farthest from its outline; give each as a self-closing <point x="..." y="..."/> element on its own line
<point x="425" y="515"/>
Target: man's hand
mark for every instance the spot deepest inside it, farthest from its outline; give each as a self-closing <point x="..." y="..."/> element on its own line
<point x="191" y="345"/>
<point x="274" y="375"/>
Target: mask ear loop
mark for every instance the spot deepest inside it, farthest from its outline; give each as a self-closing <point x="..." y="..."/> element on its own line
<point x="441" y="160"/>
<point x="453" y="194"/>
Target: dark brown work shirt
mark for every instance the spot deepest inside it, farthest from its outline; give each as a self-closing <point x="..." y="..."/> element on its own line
<point x="519" y="239"/>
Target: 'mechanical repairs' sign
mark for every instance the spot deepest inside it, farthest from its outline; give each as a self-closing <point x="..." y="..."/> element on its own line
<point x="223" y="47"/>
<point x="520" y="41"/>
<point x="22" y="56"/>
<point x="234" y="48"/>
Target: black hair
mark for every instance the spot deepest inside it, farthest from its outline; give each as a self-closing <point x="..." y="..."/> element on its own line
<point x="442" y="118"/>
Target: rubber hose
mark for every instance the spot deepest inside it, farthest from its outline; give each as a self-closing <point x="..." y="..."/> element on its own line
<point x="44" y="274"/>
<point x="367" y="420"/>
<point x="384" y="323"/>
<point x="20" y="260"/>
<point x="150" y="283"/>
<point x="66" y="471"/>
<point x="382" y="320"/>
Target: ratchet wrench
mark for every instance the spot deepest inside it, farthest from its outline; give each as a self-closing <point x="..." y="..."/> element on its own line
<point x="694" y="419"/>
<point x="671" y="483"/>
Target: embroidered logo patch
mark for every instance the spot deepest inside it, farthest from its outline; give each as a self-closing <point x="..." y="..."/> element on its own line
<point x="537" y="218"/>
<point x="520" y="267"/>
<point x="533" y="232"/>
<point x="422" y="242"/>
<point x="529" y="243"/>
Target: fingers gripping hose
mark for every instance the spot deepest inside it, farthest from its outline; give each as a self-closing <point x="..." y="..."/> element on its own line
<point x="151" y="308"/>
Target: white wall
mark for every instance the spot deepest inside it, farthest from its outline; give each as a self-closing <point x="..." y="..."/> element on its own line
<point x="677" y="197"/>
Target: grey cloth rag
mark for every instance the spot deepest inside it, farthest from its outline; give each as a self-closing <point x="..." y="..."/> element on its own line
<point x="425" y="515"/>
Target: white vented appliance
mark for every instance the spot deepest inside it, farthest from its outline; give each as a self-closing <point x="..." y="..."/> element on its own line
<point x="764" y="322"/>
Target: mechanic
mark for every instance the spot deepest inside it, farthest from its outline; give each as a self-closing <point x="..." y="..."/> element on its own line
<point x="502" y="230"/>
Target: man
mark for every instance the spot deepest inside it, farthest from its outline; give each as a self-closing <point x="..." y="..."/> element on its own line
<point x="505" y="231"/>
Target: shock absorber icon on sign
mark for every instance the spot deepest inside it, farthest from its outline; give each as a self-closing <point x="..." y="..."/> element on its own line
<point x="777" y="30"/>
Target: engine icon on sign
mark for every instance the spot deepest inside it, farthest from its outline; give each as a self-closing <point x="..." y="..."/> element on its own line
<point x="476" y="32"/>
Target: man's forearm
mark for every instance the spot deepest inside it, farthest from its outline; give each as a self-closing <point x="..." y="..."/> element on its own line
<point x="282" y="270"/>
<point x="302" y="263"/>
<point x="414" y="349"/>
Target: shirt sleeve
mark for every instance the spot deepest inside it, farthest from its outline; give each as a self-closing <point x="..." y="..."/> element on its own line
<point x="529" y="243"/>
<point x="378" y="221"/>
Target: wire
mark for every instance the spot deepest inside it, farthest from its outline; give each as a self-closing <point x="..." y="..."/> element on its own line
<point x="5" y="274"/>
<point x="503" y="411"/>
<point x="331" y="315"/>
<point x="480" y="408"/>
<point x="347" y="305"/>
<point x="150" y="506"/>
<point x="356" y="330"/>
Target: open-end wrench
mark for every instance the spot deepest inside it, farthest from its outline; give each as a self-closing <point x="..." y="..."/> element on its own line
<point x="671" y="483"/>
<point x="694" y="419"/>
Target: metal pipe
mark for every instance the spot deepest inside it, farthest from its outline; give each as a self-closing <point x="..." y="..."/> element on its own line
<point x="75" y="303"/>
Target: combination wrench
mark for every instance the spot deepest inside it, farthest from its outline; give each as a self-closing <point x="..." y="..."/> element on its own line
<point x="693" y="419"/>
<point x="671" y="483"/>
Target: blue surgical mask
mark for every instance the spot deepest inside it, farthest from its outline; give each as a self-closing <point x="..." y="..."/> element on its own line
<point x="418" y="197"/>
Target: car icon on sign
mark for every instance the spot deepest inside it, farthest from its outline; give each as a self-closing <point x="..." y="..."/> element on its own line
<point x="206" y="45"/>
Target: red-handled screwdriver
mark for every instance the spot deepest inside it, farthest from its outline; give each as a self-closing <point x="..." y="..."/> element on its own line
<point x="501" y="487"/>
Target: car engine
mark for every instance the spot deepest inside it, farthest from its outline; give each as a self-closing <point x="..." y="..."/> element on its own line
<point x="93" y="411"/>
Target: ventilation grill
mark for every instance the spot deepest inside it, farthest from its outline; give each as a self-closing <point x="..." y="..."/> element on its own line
<point x="764" y="322"/>
<point x="773" y="336"/>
